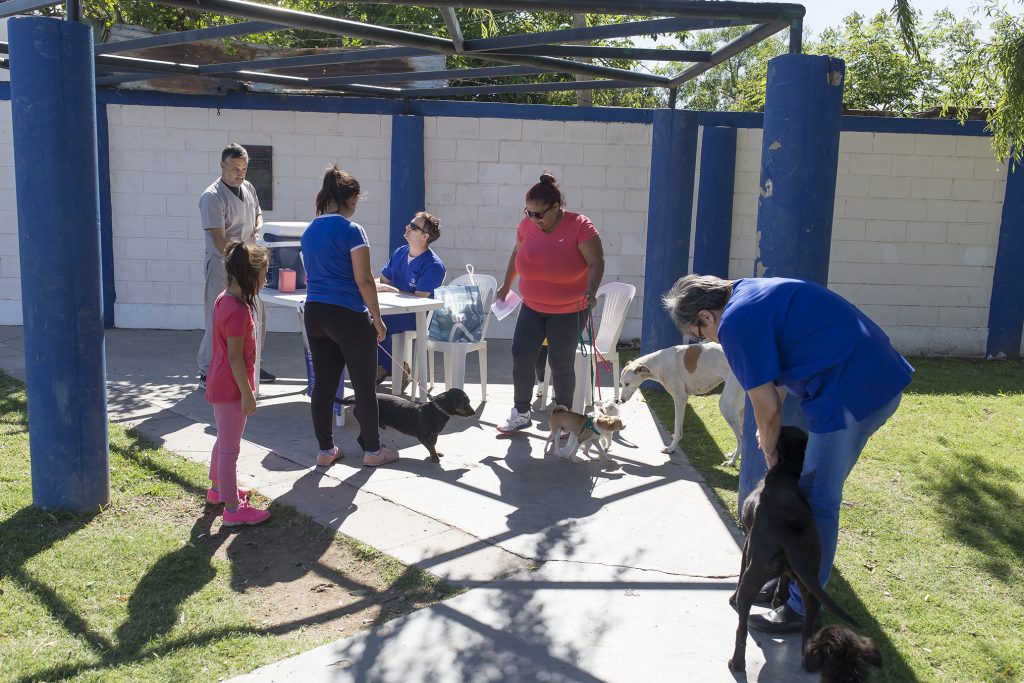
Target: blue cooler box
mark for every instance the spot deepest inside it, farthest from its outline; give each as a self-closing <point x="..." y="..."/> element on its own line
<point x="284" y="257"/>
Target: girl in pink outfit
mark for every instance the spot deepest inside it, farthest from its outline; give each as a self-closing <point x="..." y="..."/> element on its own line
<point x="231" y="379"/>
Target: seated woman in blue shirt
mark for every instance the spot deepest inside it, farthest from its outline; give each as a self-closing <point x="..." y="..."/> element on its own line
<point x="415" y="269"/>
<point x="794" y="338"/>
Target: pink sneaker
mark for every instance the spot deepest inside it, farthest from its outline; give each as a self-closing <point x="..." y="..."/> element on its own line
<point x="245" y="515"/>
<point x="213" y="496"/>
<point x="326" y="458"/>
<point x="381" y="457"/>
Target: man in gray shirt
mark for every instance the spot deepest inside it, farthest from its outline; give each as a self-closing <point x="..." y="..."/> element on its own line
<point x="229" y="209"/>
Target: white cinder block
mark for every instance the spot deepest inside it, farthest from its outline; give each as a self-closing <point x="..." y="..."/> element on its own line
<point x="163" y="183"/>
<point x="856" y="252"/>
<point x="630" y="133"/>
<point x="984" y="212"/>
<point x="191" y="162"/>
<point x="928" y="232"/>
<point x="918" y="315"/>
<point x="500" y="174"/>
<point x="973" y="190"/>
<point x="512" y="197"/>
<point x="974" y="146"/>
<point x="544" y="131"/>
<point x="146" y="117"/>
<point x="369" y="172"/>
<point x="187" y="117"/>
<point x="125" y="182"/>
<point x="511" y="152"/>
<point x="882" y="315"/>
<point x="935" y="145"/>
<point x="373" y="148"/>
<point x="122" y="137"/>
<point x="913" y="166"/>
<point x="213" y="141"/>
<point x="229" y="119"/>
<point x="585" y="131"/>
<point x="530" y="174"/>
<point x="887" y="186"/>
<point x="501" y="129"/>
<point x="906" y="209"/>
<point x="476" y="195"/>
<point x="170" y="139"/>
<point x="989" y="169"/>
<point x="856" y="142"/>
<point x="946" y="211"/>
<point x="179" y="205"/>
<point x="272" y="121"/>
<point x="294" y="145"/>
<point x="931" y="188"/>
<point x="169" y="228"/>
<point x="963" y="317"/>
<point x="943" y="254"/>
<point x="561" y="153"/>
<point x="871" y="209"/>
<point x="341" y="148"/>
<point x="456" y="171"/>
<point x="853" y="185"/>
<point x="870" y="164"/>
<point x="187" y="293"/>
<point x="607" y="199"/>
<point x="969" y="233"/>
<point x="439" y="149"/>
<point x="979" y="256"/>
<point x="477" y="150"/>
<point x="635" y="200"/>
<point x="604" y="155"/>
<point x="849" y="229"/>
<point x="458" y="128"/>
<point x="952" y="167"/>
<point x="902" y="253"/>
<point x="316" y="122"/>
<point x="587" y="176"/>
<point x="893" y="143"/>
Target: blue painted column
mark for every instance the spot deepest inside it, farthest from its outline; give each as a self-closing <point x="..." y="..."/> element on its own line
<point x="713" y="232"/>
<point x="799" y="156"/>
<point x="106" y="215"/>
<point x="673" y="158"/>
<point x="1006" y="308"/>
<point x="53" y="105"/>
<point x="408" y="189"/>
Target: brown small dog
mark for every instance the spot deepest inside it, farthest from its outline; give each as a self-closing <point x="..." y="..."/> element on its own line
<point x="841" y="655"/>
<point x="583" y="430"/>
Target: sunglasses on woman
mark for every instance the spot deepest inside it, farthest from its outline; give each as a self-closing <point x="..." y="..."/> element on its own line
<point x="537" y="215"/>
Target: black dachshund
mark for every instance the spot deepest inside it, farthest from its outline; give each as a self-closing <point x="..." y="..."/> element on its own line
<point x="422" y="420"/>
<point x="782" y="540"/>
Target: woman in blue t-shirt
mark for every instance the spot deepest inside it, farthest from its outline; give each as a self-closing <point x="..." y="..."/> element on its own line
<point x="843" y="378"/>
<point x="414" y="269"/>
<point x="343" y="321"/>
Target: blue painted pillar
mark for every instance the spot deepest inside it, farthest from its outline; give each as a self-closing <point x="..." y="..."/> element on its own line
<point x="713" y="235"/>
<point x="1006" y="308"/>
<point x="408" y="189"/>
<point x="670" y="207"/>
<point x="53" y="105"/>
<point x="799" y="156"/>
<point x="106" y="215"/>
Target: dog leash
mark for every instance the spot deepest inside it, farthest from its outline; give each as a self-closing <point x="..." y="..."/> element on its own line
<point x="409" y="374"/>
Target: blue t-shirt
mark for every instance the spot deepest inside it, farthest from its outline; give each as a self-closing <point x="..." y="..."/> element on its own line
<point x="327" y="246"/>
<point x="813" y="342"/>
<point x="425" y="273"/>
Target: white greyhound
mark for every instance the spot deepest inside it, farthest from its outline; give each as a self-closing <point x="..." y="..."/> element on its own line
<point x="684" y="370"/>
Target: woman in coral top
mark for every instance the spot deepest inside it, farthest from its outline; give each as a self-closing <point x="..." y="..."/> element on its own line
<point x="560" y="262"/>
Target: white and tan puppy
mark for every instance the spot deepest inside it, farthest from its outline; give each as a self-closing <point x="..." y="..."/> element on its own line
<point x="580" y="431"/>
<point x="684" y="370"/>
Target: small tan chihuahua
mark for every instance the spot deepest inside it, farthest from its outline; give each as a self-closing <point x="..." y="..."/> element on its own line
<point x="583" y="430"/>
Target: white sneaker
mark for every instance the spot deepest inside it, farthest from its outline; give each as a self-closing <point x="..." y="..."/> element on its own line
<point x="516" y="421"/>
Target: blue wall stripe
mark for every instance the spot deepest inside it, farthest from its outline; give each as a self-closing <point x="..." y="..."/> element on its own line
<point x="714" y="201"/>
<point x="499" y="110"/>
<point x="1006" y="308"/>
<point x="106" y="218"/>
<point x="408" y="189"/>
<point x="673" y="160"/>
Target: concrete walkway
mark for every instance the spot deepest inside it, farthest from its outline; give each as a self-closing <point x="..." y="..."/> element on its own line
<point x="578" y="572"/>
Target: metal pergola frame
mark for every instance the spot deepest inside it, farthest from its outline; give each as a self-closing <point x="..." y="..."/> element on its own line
<point x="550" y="52"/>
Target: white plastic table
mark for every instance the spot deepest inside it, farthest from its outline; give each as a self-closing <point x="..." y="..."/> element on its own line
<point x="390" y="304"/>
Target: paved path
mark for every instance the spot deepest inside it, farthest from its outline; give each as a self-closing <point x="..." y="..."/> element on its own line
<point x="578" y="572"/>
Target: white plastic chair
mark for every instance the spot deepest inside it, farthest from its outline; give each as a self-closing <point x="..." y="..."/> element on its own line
<point x="617" y="297"/>
<point x="455" y="352"/>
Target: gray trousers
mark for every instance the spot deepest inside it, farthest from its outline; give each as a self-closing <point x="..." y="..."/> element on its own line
<point x="216" y="281"/>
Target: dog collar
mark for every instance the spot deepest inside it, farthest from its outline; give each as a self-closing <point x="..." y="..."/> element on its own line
<point x="434" y="402"/>
<point x="588" y="423"/>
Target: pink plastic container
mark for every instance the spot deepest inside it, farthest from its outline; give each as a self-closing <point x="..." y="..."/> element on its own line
<point x="286" y="280"/>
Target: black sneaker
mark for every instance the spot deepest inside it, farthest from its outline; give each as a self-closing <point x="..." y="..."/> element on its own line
<point x="765" y="596"/>
<point x="780" y="620"/>
<point x="266" y="377"/>
<point x="202" y="381"/>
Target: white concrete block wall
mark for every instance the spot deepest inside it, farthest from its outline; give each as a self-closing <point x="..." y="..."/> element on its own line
<point x="914" y="236"/>
<point x="479" y="169"/>
<point x="161" y="160"/>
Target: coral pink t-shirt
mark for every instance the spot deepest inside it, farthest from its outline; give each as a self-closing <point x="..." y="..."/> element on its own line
<point x="552" y="271"/>
<point x="231" y="318"/>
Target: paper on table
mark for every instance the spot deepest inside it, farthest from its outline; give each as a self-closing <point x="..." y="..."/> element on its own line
<point x="502" y="309"/>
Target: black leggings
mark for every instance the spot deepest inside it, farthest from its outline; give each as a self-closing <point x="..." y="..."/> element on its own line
<point x="560" y="329"/>
<point x="338" y="338"/>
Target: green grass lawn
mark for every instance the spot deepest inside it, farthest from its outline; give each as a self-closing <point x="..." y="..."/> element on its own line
<point x="144" y="590"/>
<point x="931" y="543"/>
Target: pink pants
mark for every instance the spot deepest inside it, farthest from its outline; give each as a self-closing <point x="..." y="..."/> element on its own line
<point x="230" y="424"/>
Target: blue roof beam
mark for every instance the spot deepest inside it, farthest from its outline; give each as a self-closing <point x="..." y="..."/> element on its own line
<point x="730" y="49"/>
<point x="413" y="76"/>
<point x="667" y="55"/>
<point x="13" y="7"/>
<point x="351" y="56"/>
<point x="454" y="30"/>
<point x="515" y="88"/>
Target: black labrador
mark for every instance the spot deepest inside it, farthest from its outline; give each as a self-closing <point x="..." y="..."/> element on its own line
<point x="841" y="655"/>
<point x="782" y="541"/>
<point x="422" y="420"/>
